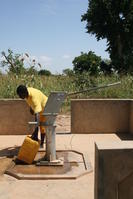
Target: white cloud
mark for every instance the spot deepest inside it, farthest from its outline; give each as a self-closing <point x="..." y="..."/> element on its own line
<point x="45" y="59"/>
<point x="66" y="57"/>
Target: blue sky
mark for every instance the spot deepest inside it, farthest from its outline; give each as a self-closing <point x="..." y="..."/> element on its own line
<point x="50" y="31"/>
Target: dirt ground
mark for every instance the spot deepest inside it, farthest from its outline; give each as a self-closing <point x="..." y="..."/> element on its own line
<point x="63" y="123"/>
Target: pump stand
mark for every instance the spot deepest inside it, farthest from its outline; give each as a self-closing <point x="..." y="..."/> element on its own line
<point x="50" y="157"/>
<point x="51" y="110"/>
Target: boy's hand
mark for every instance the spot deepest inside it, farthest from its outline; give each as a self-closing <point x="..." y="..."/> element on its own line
<point x="34" y="135"/>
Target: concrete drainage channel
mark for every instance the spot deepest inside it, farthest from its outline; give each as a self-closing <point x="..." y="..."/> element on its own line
<point x="75" y="165"/>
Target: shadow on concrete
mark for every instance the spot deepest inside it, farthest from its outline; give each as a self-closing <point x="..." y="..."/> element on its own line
<point x="6" y="157"/>
<point x="9" y="152"/>
<point x="125" y="136"/>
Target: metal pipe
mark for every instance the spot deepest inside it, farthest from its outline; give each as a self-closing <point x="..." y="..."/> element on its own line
<point x="94" y="88"/>
<point x="50" y="143"/>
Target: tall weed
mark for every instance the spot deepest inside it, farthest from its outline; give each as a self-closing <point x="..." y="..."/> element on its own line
<point x="9" y="83"/>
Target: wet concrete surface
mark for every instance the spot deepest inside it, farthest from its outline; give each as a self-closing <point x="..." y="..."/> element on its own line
<point x="73" y="167"/>
<point x="48" y="170"/>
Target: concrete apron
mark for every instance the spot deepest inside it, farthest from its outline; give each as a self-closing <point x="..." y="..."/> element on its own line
<point x="76" y="164"/>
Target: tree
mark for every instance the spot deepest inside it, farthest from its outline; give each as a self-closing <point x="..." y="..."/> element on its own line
<point x="16" y="63"/>
<point x="44" y="72"/>
<point x="106" y="67"/>
<point x="113" y="20"/>
<point x="87" y="62"/>
<point x="68" y="72"/>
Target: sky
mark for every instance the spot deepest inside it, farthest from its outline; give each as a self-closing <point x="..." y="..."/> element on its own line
<point x="50" y="31"/>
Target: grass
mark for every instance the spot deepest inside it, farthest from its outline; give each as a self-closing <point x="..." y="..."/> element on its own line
<point x="9" y="83"/>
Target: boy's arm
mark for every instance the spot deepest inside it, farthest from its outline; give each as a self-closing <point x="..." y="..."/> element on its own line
<point x="37" y="119"/>
<point x="31" y="111"/>
<point x="34" y="135"/>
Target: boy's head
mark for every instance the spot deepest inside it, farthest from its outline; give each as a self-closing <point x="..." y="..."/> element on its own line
<point x="22" y="91"/>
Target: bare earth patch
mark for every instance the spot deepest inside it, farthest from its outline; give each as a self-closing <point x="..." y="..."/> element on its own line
<point x="63" y="123"/>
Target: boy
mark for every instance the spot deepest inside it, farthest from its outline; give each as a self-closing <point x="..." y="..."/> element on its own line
<point x="37" y="101"/>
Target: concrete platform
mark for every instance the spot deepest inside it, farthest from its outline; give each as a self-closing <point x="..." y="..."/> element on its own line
<point x="82" y="187"/>
<point x="75" y="165"/>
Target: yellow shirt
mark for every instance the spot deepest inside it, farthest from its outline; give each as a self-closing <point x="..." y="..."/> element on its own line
<point x="36" y="99"/>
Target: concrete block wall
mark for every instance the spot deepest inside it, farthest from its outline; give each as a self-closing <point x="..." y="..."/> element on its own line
<point x="87" y="116"/>
<point x="14" y="117"/>
<point x="114" y="170"/>
<point x="101" y="116"/>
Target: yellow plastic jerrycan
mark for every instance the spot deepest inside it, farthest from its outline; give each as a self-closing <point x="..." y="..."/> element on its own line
<point x="28" y="150"/>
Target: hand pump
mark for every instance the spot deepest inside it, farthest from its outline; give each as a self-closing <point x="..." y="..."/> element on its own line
<point x="52" y="108"/>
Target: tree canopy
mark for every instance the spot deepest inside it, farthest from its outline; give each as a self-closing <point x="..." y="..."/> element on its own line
<point x="87" y="62"/>
<point x="44" y="72"/>
<point x="113" y="20"/>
